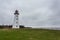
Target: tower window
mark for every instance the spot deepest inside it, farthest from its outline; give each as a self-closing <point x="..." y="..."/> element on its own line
<point x="16" y="26"/>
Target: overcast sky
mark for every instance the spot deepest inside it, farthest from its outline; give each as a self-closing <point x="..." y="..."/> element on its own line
<point x="32" y="12"/>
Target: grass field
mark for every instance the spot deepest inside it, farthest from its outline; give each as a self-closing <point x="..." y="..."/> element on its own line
<point x="29" y="34"/>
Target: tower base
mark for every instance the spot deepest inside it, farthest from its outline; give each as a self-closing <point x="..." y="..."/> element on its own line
<point x="15" y="27"/>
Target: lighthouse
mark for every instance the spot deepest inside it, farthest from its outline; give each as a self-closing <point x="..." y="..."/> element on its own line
<point x="16" y="19"/>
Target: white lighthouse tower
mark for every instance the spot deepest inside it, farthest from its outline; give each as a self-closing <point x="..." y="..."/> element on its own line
<point x="16" y="20"/>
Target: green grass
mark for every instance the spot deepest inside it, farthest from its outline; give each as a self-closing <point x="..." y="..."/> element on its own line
<point x="29" y="34"/>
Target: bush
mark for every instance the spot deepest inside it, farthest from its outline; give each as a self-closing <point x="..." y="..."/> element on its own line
<point x="21" y="26"/>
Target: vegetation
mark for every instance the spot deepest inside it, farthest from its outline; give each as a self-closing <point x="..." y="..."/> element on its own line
<point x="29" y="34"/>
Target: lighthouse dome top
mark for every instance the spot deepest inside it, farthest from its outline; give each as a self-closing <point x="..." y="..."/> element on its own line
<point x="16" y="12"/>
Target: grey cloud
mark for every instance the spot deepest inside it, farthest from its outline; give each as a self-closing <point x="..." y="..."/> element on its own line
<point x="32" y="12"/>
